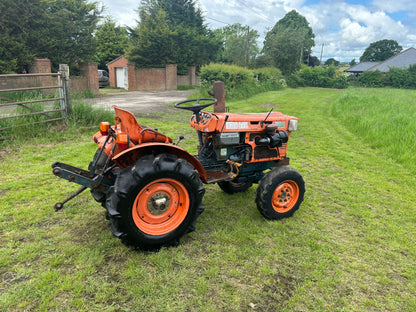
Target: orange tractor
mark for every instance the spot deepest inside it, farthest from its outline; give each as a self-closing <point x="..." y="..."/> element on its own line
<point x="152" y="189"/>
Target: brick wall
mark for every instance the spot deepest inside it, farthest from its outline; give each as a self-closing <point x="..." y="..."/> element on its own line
<point x="89" y="71"/>
<point x="171" y="77"/>
<point x="151" y="79"/>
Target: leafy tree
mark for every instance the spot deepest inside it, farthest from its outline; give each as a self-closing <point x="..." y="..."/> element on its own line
<point x="314" y="61"/>
<point x="289" y="42"/>
<point x="332" y="61"/>
<point x="237" y="41"/>
<point x="380" y="51"/>
<point x="154" y="42"/>
<point x="68" y="28"/>
<point x="183" y="32"/>
<point x="285" y="50"/>
<point x="57" y="29"/>
<point x="353" y="62"/>
<point x="18" y="24"/>
<point x="112" y="42"/>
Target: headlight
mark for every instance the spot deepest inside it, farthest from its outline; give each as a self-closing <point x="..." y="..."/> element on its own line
<point x="293" y="125"/>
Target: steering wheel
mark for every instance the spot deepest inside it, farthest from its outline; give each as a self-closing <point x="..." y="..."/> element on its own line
<point x="197" y="107"/>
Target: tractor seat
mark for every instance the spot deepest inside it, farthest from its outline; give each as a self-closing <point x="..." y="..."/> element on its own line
<point x="137" y="133"/>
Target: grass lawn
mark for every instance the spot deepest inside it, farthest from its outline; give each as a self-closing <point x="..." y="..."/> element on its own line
<point x="350" y="247"/>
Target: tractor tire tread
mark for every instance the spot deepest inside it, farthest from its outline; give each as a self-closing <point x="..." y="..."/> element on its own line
<point x="267" y="186"/>
<point x="126" y="187"/>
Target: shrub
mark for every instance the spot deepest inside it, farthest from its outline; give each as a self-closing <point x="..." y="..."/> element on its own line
<point x="402" y="78"/>
<point x="241" y="82"/>
<point x="372" y="79"/>
<point x="319" y="76"/>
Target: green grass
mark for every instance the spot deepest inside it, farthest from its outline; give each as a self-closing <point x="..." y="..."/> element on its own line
<point x="384" y="118"/>
<point x="350" y="247"/>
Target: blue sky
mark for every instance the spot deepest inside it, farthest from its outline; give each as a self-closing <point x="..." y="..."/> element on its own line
<point x="345" y="27"/>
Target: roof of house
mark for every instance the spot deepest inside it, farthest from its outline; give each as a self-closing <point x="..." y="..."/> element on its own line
<point x="401" y="60"/>
<point x="360" y="67"/>
<point x="115" y="60"/>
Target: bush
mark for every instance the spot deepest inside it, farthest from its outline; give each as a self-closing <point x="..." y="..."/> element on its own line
<point x="319" y="76"/>
<point x="402" y="78"/>
<point x="241" y="82"/>
<point x="372" y="79"/>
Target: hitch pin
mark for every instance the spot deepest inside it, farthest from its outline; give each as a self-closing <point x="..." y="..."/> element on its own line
<point x="60" y="205"/>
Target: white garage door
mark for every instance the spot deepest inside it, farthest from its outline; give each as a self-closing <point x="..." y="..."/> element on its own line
<point x="122" y="78"/>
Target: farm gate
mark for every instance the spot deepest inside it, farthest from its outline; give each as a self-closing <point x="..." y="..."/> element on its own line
<point x="45" y="98"/>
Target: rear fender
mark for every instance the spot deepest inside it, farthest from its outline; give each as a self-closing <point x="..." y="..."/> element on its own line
<point x="129" y="157"/>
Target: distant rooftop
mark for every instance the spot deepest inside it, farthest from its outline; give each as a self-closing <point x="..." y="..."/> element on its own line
<point x="401" y="60"/>
<point x="360" y="67"/>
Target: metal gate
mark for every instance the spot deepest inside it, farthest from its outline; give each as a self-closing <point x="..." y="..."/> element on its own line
<point x="46" y="99"/>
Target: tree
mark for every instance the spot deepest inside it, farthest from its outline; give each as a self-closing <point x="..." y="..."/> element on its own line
<point x="17" y="18"/>
<point x="183" y="32"/>
<point x="332" y="61"/>
<point x="314" y="61"/>
<point x="68" y="28"/>
<point x="154" y="42"/>
<point x="380" y="51"/>
<point x="289" y="42"/>
<point x="238" y="41"/>
<point x="57" y="29"/>
<point x="112" y="42"/>
<point x="353" y="62"/>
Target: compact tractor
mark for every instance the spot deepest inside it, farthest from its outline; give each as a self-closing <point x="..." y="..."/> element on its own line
<point x="152" y="189"/>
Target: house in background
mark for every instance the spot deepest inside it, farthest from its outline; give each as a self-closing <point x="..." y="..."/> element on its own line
<point x="360" y="68"/>
<point x="402" y="60"/>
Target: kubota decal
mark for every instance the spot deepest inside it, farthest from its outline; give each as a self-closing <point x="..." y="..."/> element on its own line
<point x="236" y="125"/>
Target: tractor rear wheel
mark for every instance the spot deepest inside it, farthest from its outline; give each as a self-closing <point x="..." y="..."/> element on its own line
<point x="231" y="187"/>
<point x="155" y="202"/>
<point x="280" y="193"/>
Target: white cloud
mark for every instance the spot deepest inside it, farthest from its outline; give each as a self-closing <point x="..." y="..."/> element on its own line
<point x="345" y="29"/>
<point x="122" y="11"/>
<point x="349" y="29"/>
<point x="394" y="6"/>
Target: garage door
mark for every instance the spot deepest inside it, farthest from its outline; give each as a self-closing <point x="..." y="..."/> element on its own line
<point x="122" y="78"/>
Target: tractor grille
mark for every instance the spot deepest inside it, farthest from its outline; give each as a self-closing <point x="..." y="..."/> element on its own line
<point x="261" y="152"/>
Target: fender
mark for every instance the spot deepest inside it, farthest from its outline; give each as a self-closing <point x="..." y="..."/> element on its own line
<point x="128" y="157"/>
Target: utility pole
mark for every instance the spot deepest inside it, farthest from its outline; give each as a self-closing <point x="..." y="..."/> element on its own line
<point x="248" y="48"/>
<point x="322" y="51"/>
<point x="301" y="56"/>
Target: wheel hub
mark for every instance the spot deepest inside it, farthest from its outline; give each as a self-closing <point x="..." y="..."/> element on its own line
<point x="161" y="206"/>
<point x="285" y="196"/>
<point x="158" y="203"/>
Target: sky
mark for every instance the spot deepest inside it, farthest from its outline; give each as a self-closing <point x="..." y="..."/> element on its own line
<point x="343" y="28"/>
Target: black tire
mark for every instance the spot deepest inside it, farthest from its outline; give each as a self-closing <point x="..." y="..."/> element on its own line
<point x="231" y="187"/>
<point x="155" y="202"/>
<point x="280" y="193"/>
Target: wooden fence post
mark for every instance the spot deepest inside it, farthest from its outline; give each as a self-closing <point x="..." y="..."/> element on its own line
<point x="219" y="93"/>
<point x="64" y="70"/>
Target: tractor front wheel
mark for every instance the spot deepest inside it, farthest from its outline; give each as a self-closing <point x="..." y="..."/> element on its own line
<point x="155" y="202"/>
<point x="231" y="187"/>
<point x="280" y="193"/>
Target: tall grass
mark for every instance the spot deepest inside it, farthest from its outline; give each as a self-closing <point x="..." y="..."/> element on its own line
<point x="384" y="118"/>
<point x="26" y="128"/>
